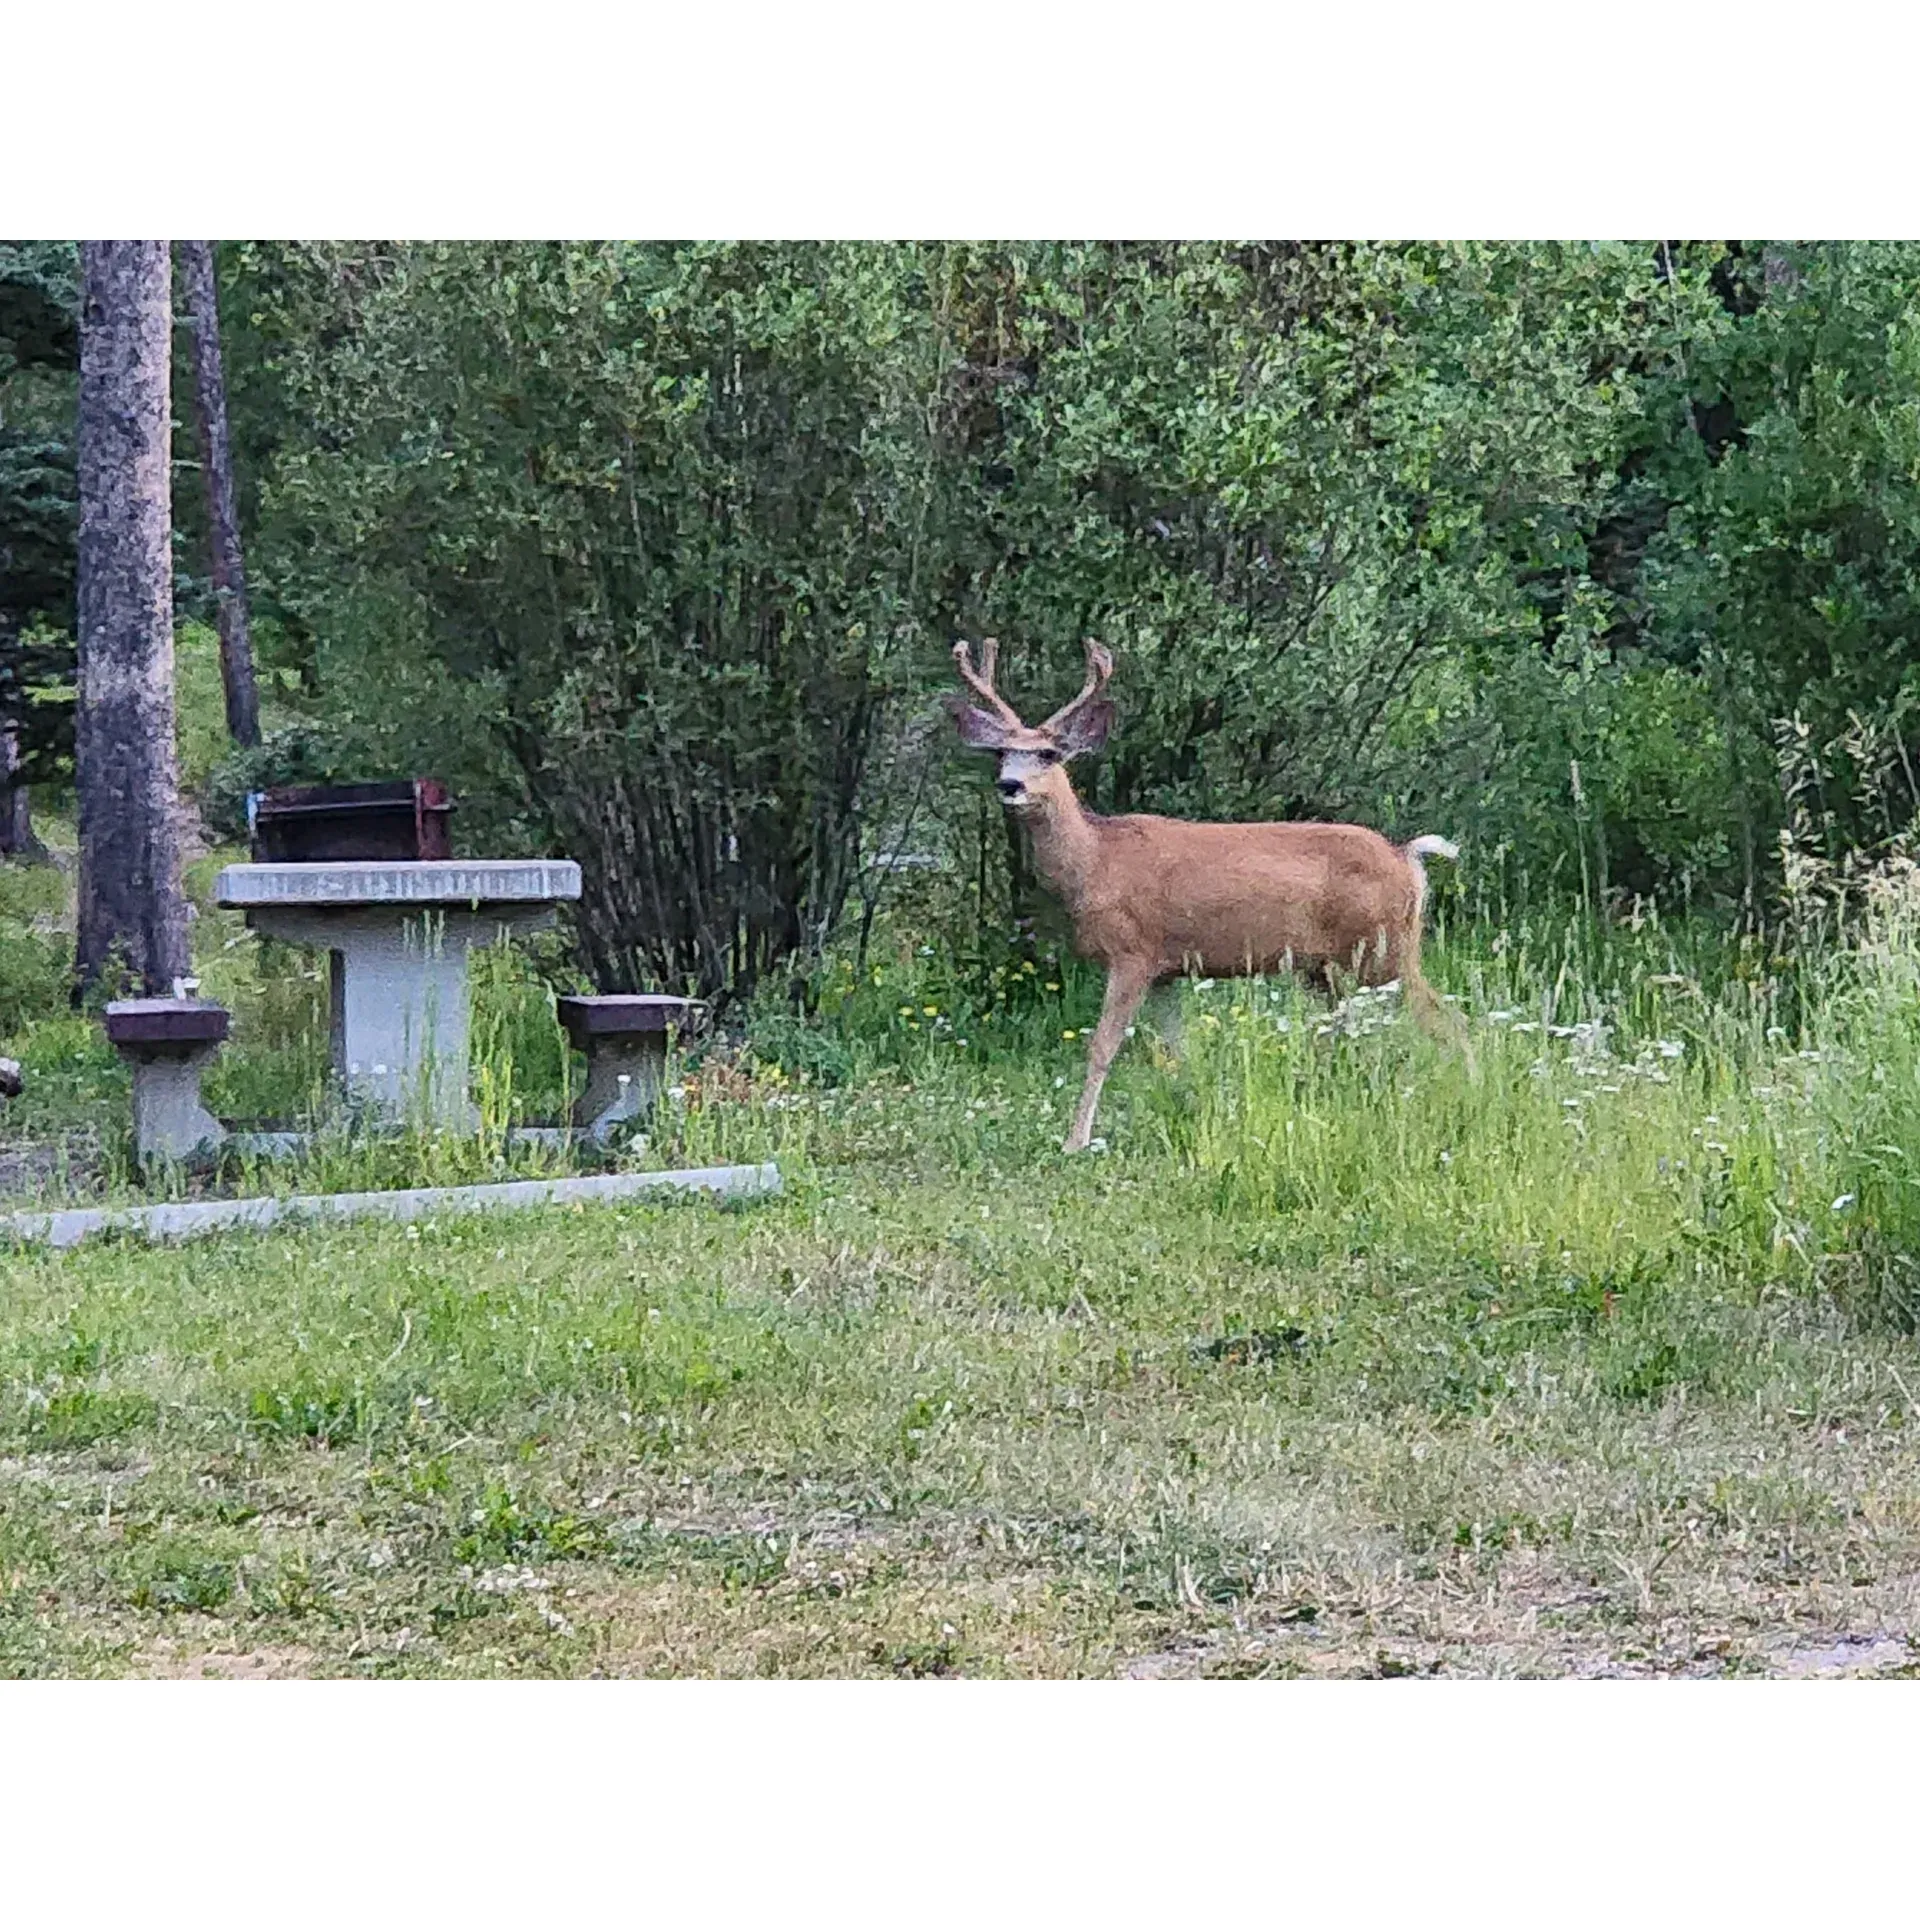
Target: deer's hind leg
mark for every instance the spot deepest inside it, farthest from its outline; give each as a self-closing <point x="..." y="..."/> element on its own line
<point x="1443" y="1022"/>
<point x="1439" y="1019"/>
<point x="1126" y="988"/>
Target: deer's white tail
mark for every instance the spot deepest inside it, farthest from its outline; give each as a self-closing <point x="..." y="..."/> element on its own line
<point x="1417" y="852"/>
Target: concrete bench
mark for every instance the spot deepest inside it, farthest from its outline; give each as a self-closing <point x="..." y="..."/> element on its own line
<point x="624" y="1036"/>
<point x="168" y="1044"/>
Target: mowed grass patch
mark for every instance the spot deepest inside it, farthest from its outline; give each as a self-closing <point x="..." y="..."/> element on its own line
<point x="966" y="1412"/>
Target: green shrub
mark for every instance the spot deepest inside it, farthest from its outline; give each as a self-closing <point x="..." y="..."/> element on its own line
<point x="33" y="978"/>
<point x="297" y="754"/>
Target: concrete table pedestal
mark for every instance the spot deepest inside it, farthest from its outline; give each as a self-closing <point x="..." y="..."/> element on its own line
<point x="168" y="1044"/>
<point x="398" y="933"/>
<point x="624" y="1036"/>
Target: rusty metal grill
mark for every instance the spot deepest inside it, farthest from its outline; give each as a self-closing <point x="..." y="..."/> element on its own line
<point x="374" y="820"/>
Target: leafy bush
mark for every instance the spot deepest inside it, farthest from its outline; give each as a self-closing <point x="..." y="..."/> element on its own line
<point x="614" y="538"/>
<point x="656" y="551"/>
<point x="297" y="754"/>
<point x="33" y="978"/>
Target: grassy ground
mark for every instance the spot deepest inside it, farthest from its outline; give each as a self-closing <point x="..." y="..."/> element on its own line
<point x="1345" y="1357"/>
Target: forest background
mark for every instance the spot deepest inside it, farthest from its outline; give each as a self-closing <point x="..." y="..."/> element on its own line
<point x="1599" y="558"/>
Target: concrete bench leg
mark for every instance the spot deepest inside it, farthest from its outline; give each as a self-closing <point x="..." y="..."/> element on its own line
<point x="169" y="1123"/>
<point x="624" y="1073"/>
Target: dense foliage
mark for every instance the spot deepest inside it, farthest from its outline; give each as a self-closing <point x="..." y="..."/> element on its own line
<point x="614" y="537"/>
<point x="39" y="352"/>
<point x="1599" y="558"/>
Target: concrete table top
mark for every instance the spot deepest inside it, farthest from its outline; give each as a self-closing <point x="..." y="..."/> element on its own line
<point x="398" y="933"/>
<point x="397" y="883"/>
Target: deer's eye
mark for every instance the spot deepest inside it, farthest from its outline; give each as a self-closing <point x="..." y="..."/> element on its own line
<point x="1049" y="756"/>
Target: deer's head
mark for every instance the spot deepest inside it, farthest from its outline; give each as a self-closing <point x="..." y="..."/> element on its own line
<point x="1032" y="759"/>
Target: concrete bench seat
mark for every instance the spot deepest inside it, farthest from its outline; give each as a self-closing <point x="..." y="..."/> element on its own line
<point x="624" y="1036"/>
<point x="168" y="1044"/>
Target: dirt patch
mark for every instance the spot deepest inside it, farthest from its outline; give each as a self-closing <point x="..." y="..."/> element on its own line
<point x="36" y="1169"/>
<point x="252" y="1663"/>
<point x="1854" y="1657"/>
<point x="1524" y="1628"/>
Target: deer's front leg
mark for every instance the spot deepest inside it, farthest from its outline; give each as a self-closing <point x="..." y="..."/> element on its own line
<point x="1126" y="988"/>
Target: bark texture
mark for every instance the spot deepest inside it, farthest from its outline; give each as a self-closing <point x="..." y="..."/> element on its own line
<point x="216" y="463"/>
<point x="131" y="908"/>
<point x="16" y="813"/>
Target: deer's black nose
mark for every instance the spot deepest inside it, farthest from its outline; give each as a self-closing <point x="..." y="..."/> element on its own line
<point x="1011" y="788"/>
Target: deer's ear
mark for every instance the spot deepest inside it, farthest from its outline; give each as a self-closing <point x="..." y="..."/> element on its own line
<point x="977" y="729"/>
<point x="1086" y="730"/>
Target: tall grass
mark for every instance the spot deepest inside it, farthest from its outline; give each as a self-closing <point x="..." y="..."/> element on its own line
<point x="1618" y="1118"/>
<point x="1646" y="1099"/>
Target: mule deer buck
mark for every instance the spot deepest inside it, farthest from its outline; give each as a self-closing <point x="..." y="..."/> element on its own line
<point x="1152" y="899"/>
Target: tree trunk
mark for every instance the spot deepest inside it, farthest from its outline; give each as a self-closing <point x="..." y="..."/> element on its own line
<point x="131" y="910"/>
<point x="16" y="812"/>
<point x="216" y="463"/>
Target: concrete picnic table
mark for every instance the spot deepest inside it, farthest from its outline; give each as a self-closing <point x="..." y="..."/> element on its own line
<point x="398" y="933"/>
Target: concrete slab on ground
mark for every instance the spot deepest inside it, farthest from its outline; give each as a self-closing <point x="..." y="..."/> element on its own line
<point x="183" y="1220"/>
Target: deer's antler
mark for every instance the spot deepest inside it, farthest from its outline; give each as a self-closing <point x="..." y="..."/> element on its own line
<point x="1099" y="672"/>
<point x="980" y="684"/>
